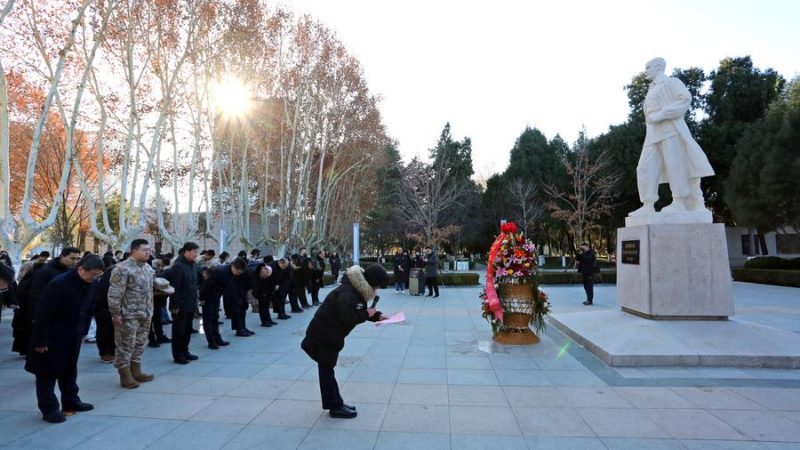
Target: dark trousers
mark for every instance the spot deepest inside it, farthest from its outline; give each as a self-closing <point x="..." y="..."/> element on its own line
<point x="335" y="273"/>
<point x="588" y="286"/>
<point x="238" y="309"/>
<point x="314" y="296"/>
<point x="226" y="307"/>
<point x="211" y="321"/>
<point x="263" y="310"/>
<point x="293" y="301"/>
<point x="329" y="388"/>
<point x="67" y="384"/>
<point x="302" y="298"/>
<point x="105" y="334"/>
<point x="278" y="303"/>
<point x="433" y="285"/>
<point x="181" y="333"/>
<point x="156" y="325"/>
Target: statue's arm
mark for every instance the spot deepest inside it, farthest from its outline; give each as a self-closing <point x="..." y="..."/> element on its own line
<point x="681" y="100"/>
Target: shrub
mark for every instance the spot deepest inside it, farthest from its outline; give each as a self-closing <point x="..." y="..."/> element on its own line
<point x="768" y="276"/>
<point x="575" y="278"/>
<point x="769" y="262"/>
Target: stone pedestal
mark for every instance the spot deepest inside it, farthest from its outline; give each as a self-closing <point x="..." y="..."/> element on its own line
<point x="674" y="272"/>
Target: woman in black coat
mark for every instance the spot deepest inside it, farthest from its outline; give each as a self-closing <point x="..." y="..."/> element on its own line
<point x="343" y="309"/>
<point x="61" y="320"/>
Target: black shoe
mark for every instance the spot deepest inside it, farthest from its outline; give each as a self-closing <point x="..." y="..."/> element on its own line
<point x="153" y="344"/>
<point x="181" y="361"/>
<point x="436" y="296"/>
<point x="191" y="357"/>
<point x="223" y="343"/>
<point x="195" y="331"/>
<point x="266" y="324"/>
<point x="429" y="295"/>
<point x="588" y="303"/>
<point x="54" y="417"/>
<point x="250" y="332"/>
<point x="243" y="333"/>
<point x="272" y="322"/>
<point x="315" y="304"/>
<point x="213" y="346"/>
<point x="164" y="340"/>
<point x="284" y="317"/>
<point x="343" y="413"/>
<point x="350" y="407"/>
<point x="78" y="407"/>
<point x="298" y="311"/>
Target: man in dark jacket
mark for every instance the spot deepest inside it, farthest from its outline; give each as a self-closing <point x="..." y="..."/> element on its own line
<point x="400" y="274"/>
<point x="62" y="319"/>
<point x="263" y="292"/>
<point x="32" y="290"/>
<point x="281" y="279"/>
<point x="336" y="266"/>
<point x="182" y="276"/>
<point x="211" y="290"/>
<point x="343" y="309"/>
<point x="586" y="267"/>
<point x="431" y="272"/>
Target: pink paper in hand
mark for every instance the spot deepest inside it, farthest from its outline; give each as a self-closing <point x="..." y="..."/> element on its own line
<point x="396" y="318"/>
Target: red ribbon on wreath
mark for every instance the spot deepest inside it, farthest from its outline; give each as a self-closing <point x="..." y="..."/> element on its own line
<point x="506" y="230"/>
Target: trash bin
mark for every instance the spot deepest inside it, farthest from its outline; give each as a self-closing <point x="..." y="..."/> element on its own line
<point x="416" y="282"/>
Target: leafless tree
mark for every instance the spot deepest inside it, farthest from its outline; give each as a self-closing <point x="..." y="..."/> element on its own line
<point x="528" y="206"/>
<point x="587" y="195"/>
<point x="425" y="195"/>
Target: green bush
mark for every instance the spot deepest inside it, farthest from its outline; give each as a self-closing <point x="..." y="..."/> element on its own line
<point x="768" y="276"/>
<point x="572" y="277"/>
<point x="773" y="262"/>
<point x="445" y="279"/>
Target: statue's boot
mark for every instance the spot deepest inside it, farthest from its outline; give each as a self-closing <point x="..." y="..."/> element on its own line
<point x="645" y="210"/>
<point x="677" y="205"/>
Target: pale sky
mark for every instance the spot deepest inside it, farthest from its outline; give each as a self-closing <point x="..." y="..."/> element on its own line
<point x="491" y="68"/>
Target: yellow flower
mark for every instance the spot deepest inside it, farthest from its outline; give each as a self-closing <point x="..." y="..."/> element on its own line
<point x="510" y="272"/>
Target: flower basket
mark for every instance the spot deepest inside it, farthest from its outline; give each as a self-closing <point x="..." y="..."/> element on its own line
<point x="512" y="302"/>
<point x="518" y="303"/>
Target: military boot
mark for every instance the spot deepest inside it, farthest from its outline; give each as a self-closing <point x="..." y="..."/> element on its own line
<point x="126" y="380"/>
<point x="138" y="375"/>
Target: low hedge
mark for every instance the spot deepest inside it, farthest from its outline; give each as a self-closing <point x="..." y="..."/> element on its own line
<point x="575" y="278"/>
<point x="767" y="276"/>
<point x="445" y="279"/>
<point x="773" y="262"/>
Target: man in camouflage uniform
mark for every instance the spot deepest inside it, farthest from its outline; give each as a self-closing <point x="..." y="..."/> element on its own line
<point x="130" y="302"/>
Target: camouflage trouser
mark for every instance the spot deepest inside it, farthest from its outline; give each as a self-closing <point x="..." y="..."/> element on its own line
<point x="130" y="338"/>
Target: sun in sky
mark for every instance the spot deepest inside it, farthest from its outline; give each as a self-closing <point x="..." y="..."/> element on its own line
<point x="231" y="97"/>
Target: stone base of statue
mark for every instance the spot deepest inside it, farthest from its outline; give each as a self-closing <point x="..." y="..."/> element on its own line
<point x="674" y="271"/>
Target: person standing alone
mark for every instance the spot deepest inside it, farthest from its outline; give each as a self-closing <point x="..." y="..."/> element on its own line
<point x="130" y="302"/>
<point x="586" y="267"/>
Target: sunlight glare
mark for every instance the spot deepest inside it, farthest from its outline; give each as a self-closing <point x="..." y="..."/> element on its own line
<point x="231" y="96"/>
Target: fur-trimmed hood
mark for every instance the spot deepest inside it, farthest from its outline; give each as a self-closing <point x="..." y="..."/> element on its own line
<point x="355" y="275"/>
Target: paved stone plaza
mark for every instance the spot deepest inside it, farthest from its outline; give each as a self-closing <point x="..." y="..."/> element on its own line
<point x="435" y="382"/>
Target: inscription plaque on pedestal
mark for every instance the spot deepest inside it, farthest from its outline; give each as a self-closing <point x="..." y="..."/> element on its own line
<point x="630" y="252"/>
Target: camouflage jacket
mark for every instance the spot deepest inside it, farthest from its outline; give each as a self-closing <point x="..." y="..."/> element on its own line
<point x="131" y="291"/>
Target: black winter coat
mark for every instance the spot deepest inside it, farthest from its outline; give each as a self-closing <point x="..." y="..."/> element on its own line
<point x="343" y="309"/>
<point x="40" y="278"/>
<point x="218" y="280"/>
<point x="586" y="262"/>
<point x="282" y="277"/>
<point x="61" y="320"/>
<point x="183" y="277"/>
